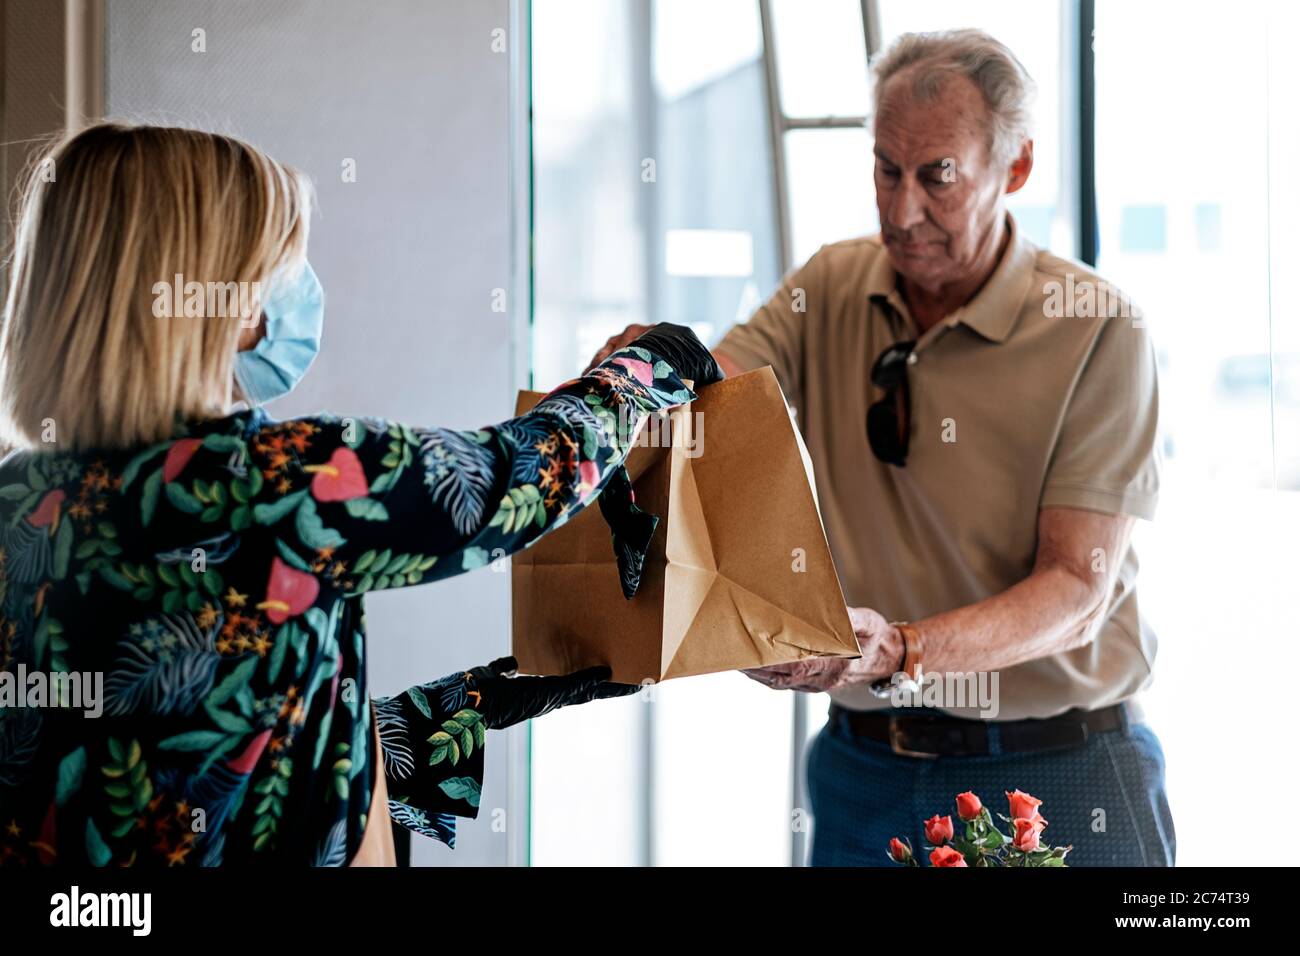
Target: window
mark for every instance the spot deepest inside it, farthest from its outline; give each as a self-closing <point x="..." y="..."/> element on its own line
<point x="1034" y="31"/>
<point x="687" y="154"/>
<point x="1192" y="233"/>
<point x="822" y="104"/>
<point x="653" y="202"/>
<point x="1142" y="229"/>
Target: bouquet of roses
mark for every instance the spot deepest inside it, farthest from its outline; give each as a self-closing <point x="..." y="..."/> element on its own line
<point x="982" y="843"/>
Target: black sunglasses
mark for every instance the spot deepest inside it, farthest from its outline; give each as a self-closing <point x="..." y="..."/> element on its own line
<point x="889" y="420"/>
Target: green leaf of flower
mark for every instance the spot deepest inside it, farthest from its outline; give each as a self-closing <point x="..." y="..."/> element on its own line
<point x="462" y="788"/>
<point x="72" y="769"/>
<point x="192" y="740"/>
<point x="366" y="509"/>
<point x="149" y="496"/>
<point x="181" y="499"/>
<point x="233" y="681"/>
<point x="134" y="465"/>
<point x="226" y="443"/>
<point x="62" y="550"/>
<point x="420" y="701"/>
<point x="115" y="578"/>
<point x="312" y="531"/>
<point x="97" y="850"/>
<point x="270" y="513"/>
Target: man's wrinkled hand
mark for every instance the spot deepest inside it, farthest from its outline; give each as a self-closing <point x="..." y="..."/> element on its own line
<point x="879" y="643"/>
<point x="616" y="342"/>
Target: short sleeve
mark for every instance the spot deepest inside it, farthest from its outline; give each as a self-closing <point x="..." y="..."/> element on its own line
<point x="1107" y="455"/>
<point x="774" y="335"/>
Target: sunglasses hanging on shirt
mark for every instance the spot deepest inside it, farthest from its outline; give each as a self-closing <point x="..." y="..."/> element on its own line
<point x="889" y="420"/>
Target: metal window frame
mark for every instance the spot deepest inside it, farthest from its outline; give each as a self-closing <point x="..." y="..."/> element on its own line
<point x="1085" y="25"/>
<point x="780" y="123"/>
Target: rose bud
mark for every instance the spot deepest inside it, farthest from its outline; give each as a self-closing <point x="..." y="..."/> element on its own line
<point x="946" y="856"/>
<point x="938" y="830"/>
<point x="969" y="806"/>
<point x="899" y="851"/>
<point x="1023" y="806"/>
<point x="1027" y="832"/>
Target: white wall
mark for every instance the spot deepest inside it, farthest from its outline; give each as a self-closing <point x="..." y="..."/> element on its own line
<point x="409" y="254"/>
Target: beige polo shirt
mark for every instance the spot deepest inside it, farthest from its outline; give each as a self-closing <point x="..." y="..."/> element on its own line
<point x="1022" y="399"/>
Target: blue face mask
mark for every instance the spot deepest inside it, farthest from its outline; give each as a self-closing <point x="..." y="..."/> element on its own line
<point x="294" y="313"/>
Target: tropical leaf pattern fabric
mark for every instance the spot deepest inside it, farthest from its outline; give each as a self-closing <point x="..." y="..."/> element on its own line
<point x="216" y="581"/>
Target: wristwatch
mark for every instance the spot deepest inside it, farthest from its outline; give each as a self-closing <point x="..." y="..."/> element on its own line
<point x="911" y="667"/>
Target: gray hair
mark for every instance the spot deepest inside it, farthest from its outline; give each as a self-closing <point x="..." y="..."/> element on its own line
<point x="1007" y="87"/>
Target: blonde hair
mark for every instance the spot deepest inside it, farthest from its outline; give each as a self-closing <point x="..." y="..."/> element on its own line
<point x="106" y="216"/>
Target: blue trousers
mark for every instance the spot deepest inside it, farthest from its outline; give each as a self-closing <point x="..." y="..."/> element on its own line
<point x="1106" y="797"/>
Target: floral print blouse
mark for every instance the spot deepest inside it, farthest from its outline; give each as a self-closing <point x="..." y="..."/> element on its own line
<point x="215" y="583"/>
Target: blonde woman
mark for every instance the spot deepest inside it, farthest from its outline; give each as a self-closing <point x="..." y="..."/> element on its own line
<point x="210" y="563"/>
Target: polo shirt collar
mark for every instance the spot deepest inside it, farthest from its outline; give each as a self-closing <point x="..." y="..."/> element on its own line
<point x="996" y="307"/>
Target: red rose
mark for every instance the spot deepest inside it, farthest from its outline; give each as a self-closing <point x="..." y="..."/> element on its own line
<point x="946" y="856"/>
<point x="969" y="806"/>
<point x="899" y="851"/>
<point x="1023" y="805"/>
<point x="1027" y="832"/>
<point x="938" y="830"/>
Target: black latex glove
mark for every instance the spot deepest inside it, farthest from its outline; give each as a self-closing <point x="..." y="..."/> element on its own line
<point x="678" y="346"/>
<point x="504" y="699"/>
<point x="630" y="528"/>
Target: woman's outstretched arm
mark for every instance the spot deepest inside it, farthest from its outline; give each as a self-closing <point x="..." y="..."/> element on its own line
<point x="363" y="504"/>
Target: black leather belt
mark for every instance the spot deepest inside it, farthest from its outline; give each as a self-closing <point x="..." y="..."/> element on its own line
<point x="940" y="735"/>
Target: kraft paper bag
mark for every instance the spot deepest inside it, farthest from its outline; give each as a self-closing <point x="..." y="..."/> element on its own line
<point x="738" y="572"/>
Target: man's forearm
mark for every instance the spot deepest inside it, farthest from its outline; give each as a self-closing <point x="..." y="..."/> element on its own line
<point x="1051" y="611"/>
<point x="729" y="366"/>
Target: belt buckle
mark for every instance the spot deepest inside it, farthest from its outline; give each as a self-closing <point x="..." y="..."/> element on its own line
<point x="896" y="743"/>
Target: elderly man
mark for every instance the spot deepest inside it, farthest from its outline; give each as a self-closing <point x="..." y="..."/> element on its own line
<point x="981" y="416"/>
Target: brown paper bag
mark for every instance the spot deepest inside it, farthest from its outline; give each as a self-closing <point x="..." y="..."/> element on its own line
<point x="738" y="573"/>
